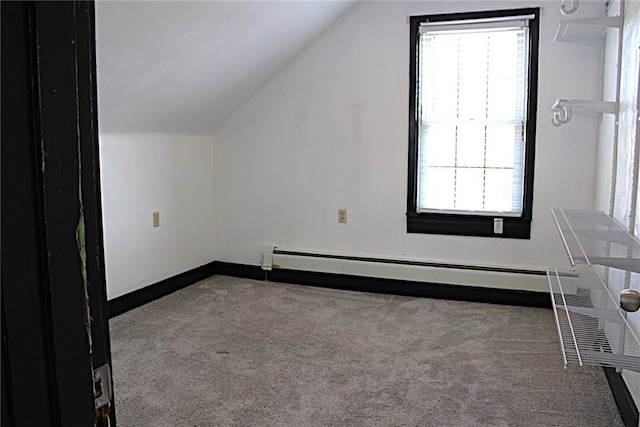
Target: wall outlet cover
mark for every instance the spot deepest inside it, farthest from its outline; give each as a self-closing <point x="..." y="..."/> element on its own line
<point x="342" y="216"/>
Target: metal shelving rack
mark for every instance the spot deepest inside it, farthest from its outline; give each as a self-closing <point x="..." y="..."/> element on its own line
<point x="593" y="329"/>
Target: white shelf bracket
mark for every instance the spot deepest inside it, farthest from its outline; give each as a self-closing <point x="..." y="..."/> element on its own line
<point x="562" y="109"/>
<point x="569" y="10"/>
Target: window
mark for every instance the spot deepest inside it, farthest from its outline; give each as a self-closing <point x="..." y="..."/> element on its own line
<point x="472" y="123"/>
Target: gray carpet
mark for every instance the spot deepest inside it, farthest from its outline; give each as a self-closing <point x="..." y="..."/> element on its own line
<point x="230" y="351"/>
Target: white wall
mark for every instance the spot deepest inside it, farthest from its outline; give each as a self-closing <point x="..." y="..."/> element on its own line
<point x="330" y="131"/>
<point x="144" y="173"/>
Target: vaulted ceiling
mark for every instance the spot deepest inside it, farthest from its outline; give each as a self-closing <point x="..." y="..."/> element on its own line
<point x="185" y="66"/>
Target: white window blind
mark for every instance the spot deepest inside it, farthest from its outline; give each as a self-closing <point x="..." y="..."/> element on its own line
<point x="472" y="109"/>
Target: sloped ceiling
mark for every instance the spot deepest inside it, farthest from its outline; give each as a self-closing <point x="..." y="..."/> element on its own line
<point x="185" y="66"/>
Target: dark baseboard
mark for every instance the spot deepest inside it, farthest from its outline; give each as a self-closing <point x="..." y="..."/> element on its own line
<point x="328" y="280"/>
<point x="624" y="400"/>
<point x="387" y="286"/>
<point x="409" y="288"/>
<point x="240" y="270"/>
<point x="158" y="290"/>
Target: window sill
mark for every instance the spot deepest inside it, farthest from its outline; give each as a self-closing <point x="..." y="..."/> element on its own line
<point x="467" y="225"/>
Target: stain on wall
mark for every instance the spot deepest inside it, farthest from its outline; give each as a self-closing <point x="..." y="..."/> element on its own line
<point x="357" y="111"/>
<point x="301" y="116"/>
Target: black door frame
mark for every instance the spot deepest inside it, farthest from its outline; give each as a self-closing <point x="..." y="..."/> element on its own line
<point x="54" y="310"/>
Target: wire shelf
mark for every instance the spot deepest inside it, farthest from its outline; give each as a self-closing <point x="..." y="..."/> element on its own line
<point x="589" y="31"/>
<point x="592" y="237"/>
<point x="591" y="327"/>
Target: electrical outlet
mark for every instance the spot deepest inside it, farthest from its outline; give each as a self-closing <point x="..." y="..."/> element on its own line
<point x="156" y="219"/>
<point x="498" y="225"/>
<point x="342" y="216"/>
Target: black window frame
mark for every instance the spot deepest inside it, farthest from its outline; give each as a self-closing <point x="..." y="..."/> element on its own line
<point x="468" y="224"/>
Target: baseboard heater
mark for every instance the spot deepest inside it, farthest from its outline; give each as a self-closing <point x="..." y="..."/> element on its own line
<point x="495" y="277"/>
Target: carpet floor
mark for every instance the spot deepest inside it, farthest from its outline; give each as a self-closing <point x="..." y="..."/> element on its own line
<point x="238" y="352"/>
